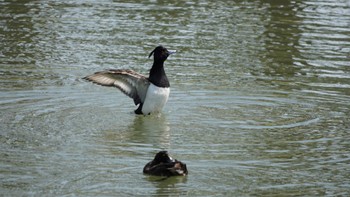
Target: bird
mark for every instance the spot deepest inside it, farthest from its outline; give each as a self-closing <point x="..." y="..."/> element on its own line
<point x="149" y="93"/>
<point x="164" y="165"/>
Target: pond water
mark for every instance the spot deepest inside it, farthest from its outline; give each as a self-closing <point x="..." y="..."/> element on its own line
<point x="259" y="104"/>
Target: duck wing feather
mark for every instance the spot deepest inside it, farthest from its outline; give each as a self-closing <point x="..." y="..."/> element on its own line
<point x="128" y="81"/>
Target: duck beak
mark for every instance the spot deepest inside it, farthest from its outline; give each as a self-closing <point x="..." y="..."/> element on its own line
<point x="171" y="52"/>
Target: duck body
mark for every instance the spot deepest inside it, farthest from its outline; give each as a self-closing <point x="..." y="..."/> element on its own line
<point x="149" y="93"/>
<point x="164" y="165"/>
<point x="156" y="98"/>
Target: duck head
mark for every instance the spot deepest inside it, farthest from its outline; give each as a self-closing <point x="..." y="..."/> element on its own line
<point x="163" y="157"/>
<point x="160" y="53"/>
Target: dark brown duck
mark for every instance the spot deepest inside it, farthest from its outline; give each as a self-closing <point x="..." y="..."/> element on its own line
<point x="164" y="165"/>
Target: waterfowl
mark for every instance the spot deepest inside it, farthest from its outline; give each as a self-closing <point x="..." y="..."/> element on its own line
<point x="164" y="165"/>
<point x="149" y="93"/>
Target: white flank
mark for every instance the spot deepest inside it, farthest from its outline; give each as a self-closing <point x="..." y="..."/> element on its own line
<point x="155" y="100"/>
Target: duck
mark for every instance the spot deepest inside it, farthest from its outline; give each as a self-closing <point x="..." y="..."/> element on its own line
<point x="164" y="165"/>
<point x="149" y="93"/>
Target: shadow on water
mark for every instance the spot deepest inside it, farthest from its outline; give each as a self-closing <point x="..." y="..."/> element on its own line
<point x="281" y="39"/>
<point x="18" y="31"/>
<point x="17" y="60"/>
<point x="25" y="59"/>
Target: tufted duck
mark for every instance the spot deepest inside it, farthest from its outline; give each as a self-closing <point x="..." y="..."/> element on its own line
<point x="164" y="165"/>
<point x="150" y="93"/>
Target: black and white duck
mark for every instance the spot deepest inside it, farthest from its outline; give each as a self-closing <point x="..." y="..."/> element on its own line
<point x="149" y="93"/>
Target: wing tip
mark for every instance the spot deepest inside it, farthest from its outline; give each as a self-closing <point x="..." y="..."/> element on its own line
<point x="91" y="78"/>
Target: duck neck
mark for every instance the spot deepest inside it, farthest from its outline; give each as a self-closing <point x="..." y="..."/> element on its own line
<point x="157" y="75"/>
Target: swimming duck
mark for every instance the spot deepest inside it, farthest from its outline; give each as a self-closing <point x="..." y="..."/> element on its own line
<point x="150" y="93"/>
<point x="164" y="165"/>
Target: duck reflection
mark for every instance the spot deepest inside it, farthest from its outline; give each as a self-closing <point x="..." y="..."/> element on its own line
<point x="168" y="186"/>
<point x="144" y="131"/>
<point x="152" y="130"/>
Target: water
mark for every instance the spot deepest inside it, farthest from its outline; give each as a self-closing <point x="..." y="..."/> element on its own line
<point x="259" y="104"/>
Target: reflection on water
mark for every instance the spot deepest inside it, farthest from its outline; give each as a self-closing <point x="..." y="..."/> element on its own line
<point x="259" y="102"/>
<point x="150" y="132"/>
<point x="281" y="36"/>
<point x="170" y="186"/>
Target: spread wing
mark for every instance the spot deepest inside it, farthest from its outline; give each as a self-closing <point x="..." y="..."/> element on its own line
<point x="129" y="82"/>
